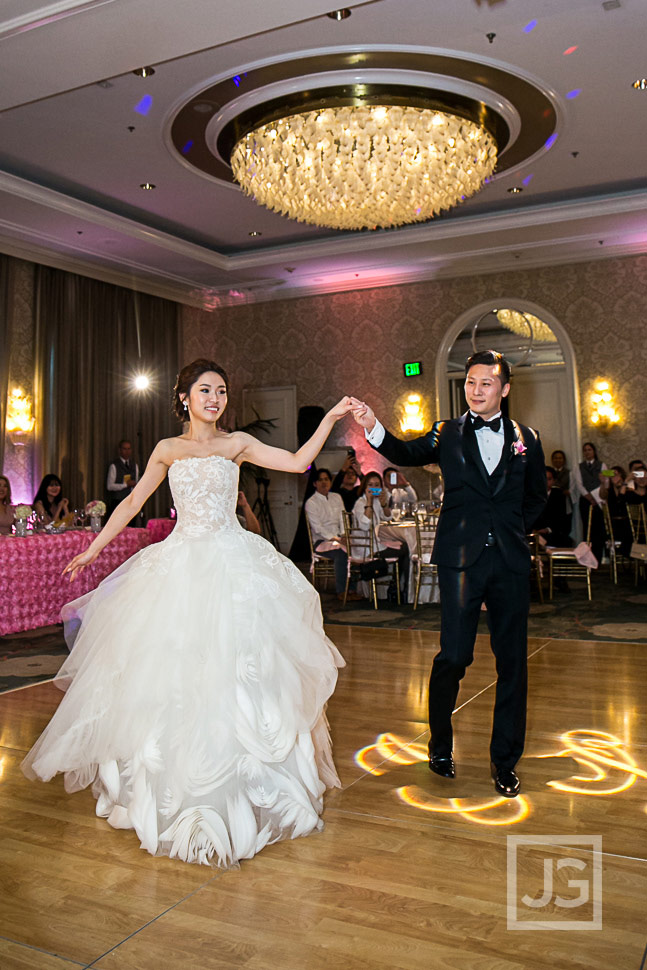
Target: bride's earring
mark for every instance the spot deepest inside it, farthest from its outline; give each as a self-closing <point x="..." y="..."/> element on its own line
<point x="186" y="406"/>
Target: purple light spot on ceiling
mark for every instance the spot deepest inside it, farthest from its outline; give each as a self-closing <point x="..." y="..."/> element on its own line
<point x="145" y="105"/>
<point x="551" y="141"/>
<point x="237" y="80"/>
<point x="187" y="148"/>
<point x="574" y="93"/>
<point x="528" y="179"/>
<point x="530" y="26"/>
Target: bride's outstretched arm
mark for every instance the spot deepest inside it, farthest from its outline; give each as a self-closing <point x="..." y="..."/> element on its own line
<point x="155" y="473"/>
<point x="288" y="461"/>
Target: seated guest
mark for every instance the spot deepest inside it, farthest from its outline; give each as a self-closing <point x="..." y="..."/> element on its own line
<point x="371" y="509"/>
<point x="614" y="492"/>
<point x="398" y="487"/>
<point x="636" y="483"/>
<point x="554" y="523"/>
<point x="123" y="475"/>
<point x="325" y="510"/>
<point x="586" y="488"/>
<point x="245" y="515"/>
<point x="345" y="481"/>
<point x="6" y="508"/>
<point x="49" y="501"/>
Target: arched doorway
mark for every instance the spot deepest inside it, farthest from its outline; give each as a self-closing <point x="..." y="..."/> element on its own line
<point x="545" y="389"/>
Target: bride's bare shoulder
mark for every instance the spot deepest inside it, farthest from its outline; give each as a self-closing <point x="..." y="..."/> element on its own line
<point x="169" y="449"/>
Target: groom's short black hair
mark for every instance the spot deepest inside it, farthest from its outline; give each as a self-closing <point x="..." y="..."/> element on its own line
<point x="491" y="358"/>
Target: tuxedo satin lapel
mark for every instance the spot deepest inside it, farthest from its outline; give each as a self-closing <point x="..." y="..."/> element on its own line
<point x="510" y="431"/>
<point x="471" y="451"/>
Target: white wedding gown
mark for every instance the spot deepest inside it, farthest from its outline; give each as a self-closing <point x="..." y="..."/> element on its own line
<point x="196" y="687"/>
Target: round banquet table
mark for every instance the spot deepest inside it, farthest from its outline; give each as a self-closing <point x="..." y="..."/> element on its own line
<point x="32" y="590"/>
<point x="406" y="531"/>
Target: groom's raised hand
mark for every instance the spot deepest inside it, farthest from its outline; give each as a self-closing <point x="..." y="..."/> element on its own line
<point x="363" y="414"/>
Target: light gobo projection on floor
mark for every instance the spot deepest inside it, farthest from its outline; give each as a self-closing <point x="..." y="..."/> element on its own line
<point x="600" y="754"/>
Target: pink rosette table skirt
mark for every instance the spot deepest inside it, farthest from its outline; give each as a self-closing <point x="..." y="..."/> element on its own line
<point x="160" y="528"/>
<point x="32" y="590"/>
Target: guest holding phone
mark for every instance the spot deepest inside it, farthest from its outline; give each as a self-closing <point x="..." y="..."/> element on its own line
<point x="370" y="511"/>
<point x="613" y="490"/>
<point x="636" y="483"/>
<point x="345" y="481"/>
<point x="400" y="490"/>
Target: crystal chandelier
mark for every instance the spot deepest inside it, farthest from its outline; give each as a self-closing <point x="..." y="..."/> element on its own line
<point x="359" y="166"/>
<point x="520" y="322"/>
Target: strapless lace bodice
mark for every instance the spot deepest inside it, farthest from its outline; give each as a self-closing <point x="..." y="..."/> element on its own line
<point x="204" y="491"/>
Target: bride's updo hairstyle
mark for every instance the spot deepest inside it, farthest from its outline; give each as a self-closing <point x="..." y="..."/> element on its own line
<point x="188" y="377"/>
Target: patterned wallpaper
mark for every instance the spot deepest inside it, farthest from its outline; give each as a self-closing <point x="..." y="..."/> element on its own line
<point x="18" y="461"/>
<point x="355" y="342"/>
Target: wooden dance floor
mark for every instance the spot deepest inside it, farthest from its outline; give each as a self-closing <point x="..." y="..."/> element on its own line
<point x="411" y="871"/>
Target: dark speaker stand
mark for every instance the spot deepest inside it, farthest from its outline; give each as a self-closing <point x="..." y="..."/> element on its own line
<point x="262" y="511"/>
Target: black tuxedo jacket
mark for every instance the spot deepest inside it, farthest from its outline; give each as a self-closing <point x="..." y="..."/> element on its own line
<point x="507" y="502"/>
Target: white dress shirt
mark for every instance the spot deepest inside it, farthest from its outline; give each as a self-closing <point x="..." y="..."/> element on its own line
<point x="490" y="442"/>
<point x="399" y="495"/>
<point x="325" y="515"/>
<point x="114" y="486"/>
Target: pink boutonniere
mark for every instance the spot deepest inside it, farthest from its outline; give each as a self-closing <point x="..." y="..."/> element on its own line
<point x="518" y="447"/>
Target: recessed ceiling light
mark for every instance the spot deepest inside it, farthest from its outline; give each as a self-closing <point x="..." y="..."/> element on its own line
<point x="147" y="185"/>
<point x="515" y="189"/>
<point x="144" y="71"/>
<point x="611" y="4"/>
<point x="342" y="14"/>
<point x="640" y="84"/>
<point x="105" y="84"/>
<point x="255" y="233"/>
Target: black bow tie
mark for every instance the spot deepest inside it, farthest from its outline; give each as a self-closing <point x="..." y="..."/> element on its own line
<point x="493" y="425"/>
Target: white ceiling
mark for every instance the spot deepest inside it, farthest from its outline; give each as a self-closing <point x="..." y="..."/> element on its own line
<point x="71" y="168"/>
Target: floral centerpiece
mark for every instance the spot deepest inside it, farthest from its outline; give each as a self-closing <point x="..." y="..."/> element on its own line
<point x="21" y="514"/>
<point x="96" y="510"/>
<point x="22" y="511"/>
<point x="96" y="507"/>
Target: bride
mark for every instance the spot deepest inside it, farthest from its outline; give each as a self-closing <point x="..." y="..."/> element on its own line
<point x="197" y="684"/>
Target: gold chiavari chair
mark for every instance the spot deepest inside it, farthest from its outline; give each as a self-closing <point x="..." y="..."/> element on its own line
<point x="362" y="548"/>
<point x="563" y="564"/>
<point x="320" y="567"/>
<point x="422" y="565"/>
<point x="613" y="545"/>
<point x="638" y="522"/>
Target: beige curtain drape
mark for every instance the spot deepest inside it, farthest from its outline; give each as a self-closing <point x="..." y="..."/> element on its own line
<point x="92" y="338"/>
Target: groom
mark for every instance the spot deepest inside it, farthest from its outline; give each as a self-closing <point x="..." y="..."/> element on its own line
<point x="495" y="487"/>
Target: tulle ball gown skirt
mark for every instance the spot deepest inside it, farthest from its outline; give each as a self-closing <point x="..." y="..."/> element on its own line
<point x="195" y="696"/>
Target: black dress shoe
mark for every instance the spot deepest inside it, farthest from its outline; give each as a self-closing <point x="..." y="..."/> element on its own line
<point x="444" y="767"/>
<point x="505" y="781"/>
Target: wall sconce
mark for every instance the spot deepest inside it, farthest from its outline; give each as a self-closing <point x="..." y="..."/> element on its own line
<point x="413" y="419"/>
<point x="603" y="413"/>
<point x="19" y="420"/>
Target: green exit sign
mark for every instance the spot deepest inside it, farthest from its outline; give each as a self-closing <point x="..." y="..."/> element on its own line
<point x="413" y="368"/>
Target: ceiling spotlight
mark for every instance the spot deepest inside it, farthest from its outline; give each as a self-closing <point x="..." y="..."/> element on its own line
<point x="141" y="382"/>
<point x="255" y="233"/>
<point x="515" y="190"/>
<point x="491" y="37"/>
<point x="147" y="185"/>
<point x="144" y="71"/>
<point x="640" y="84"/>
<point x="342" y="14"/>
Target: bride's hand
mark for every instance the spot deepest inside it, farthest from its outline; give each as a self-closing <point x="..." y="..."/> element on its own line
<point x="78" y="564"/>
<point x="363" y="414"/>
<point x="341" y="409"/>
